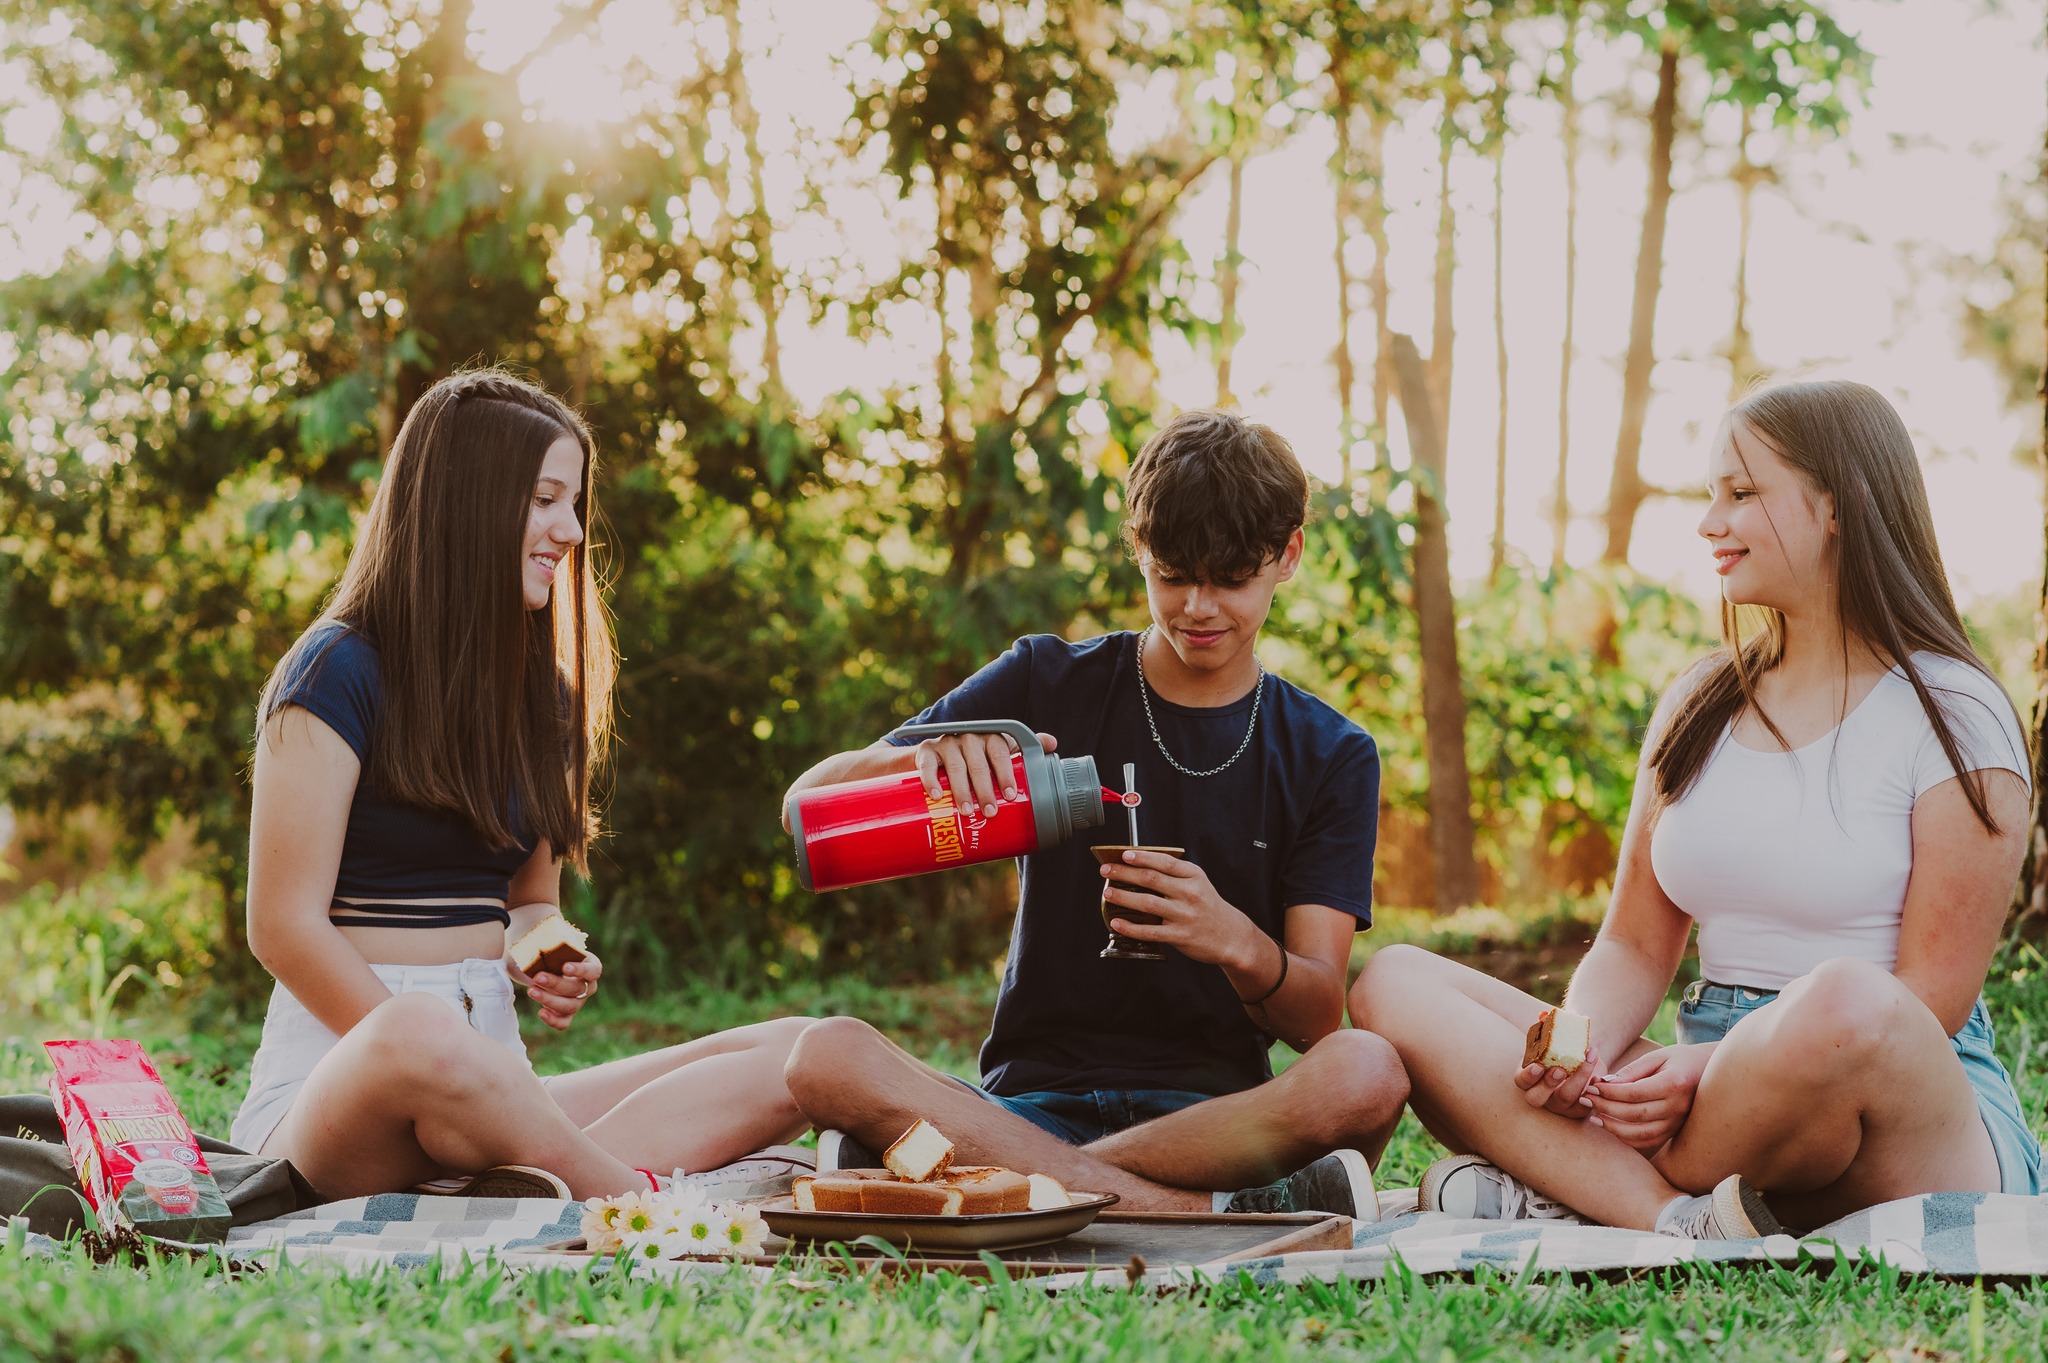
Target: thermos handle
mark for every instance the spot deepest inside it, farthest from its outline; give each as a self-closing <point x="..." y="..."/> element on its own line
<point x="1022" y="733"/>
<point x="1065" y="796"/>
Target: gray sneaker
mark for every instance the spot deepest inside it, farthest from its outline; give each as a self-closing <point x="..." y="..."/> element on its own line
<point x="837" y="1150"/>
<point x="1340" y="1183"/>
<point x="1471" y="1188"/>
<point x="1733" y="1211"/>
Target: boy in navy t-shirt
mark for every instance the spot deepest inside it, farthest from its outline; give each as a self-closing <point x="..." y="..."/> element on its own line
<point x="1150" y="1078"/>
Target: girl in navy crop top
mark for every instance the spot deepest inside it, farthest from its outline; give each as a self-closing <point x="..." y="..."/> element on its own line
<point x="422" y="763"/>
<point x="393" y="853"/>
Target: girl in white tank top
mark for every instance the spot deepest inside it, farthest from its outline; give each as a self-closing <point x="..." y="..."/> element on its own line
<point x="1840" y="803"/>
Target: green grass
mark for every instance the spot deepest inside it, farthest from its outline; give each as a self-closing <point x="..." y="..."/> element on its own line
<point x="68" y="1309"/>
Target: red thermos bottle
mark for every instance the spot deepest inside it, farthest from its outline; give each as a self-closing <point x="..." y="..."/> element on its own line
<point x="886" y="827"/>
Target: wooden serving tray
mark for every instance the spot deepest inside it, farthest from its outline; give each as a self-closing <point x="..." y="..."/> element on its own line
<point x="1160" y="1239"/>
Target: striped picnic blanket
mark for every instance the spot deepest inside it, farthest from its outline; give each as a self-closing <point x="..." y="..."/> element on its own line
<point x="1953" y="1234"/>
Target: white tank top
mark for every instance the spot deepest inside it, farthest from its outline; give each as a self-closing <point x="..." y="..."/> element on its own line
<point x="1787" y="859"/>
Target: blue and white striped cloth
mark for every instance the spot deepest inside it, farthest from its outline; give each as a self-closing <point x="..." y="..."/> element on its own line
<point x="1952" y="1234"/>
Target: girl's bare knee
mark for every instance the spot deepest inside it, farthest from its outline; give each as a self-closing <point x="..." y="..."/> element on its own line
<point x="416" y="1042"/>
<point x="1385" y="989"/>
<point x="782" y="1033"/>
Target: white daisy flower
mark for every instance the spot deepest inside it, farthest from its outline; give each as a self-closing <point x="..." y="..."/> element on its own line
<point x="745" y="1232"/>
<point x="605" y="1221"/>
<point x="655" y="1243"/>
<point x="703" y="1230"/>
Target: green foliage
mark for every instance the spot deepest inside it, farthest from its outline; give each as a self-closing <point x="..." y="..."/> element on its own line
<point x="2003" y="296"/>
<point x="1561" y="673"/>
<point x="306" y="213"/>
<point x="1794" y="61"/>
<point x="751" y="651"/>
<point x="81" y="954"/>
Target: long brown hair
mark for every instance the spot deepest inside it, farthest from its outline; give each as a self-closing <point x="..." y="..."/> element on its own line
<point x="488" y="706"/>
<point x="1846" y="441"/>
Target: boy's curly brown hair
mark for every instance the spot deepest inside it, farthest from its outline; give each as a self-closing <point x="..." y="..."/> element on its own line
<point x="1214" y="497"/>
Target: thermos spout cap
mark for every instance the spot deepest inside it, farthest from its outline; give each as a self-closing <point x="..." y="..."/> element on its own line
<point x="1081" y="793"/>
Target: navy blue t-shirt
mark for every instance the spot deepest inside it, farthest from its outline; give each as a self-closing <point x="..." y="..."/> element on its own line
<point x="391" y="851"/>
<point x="1292" y="821"/>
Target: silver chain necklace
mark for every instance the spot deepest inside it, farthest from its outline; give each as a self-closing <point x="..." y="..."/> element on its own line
<point x="1145" y="695"/>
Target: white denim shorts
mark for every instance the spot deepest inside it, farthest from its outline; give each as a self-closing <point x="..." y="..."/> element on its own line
<point x="294" y="1041"/>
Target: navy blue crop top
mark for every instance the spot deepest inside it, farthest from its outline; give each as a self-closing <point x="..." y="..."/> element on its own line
<point x="391" y="850"/>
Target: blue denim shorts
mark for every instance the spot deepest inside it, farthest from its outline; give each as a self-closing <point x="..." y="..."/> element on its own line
<point x="1709" y="1010"/>
<point x="1079" y="1118"/>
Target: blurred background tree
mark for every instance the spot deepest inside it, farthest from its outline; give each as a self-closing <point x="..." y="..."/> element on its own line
<point x="294" y="216"/>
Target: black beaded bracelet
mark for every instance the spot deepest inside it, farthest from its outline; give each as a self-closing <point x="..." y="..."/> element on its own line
<point x="1254" y="1003"/>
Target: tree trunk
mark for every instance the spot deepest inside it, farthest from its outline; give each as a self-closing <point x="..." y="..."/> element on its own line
<point x="2030" y="897"/>
<point x="1383" y="331"/>
<point x="1568" y="96"/>
<point x="1500" y="360"/>
<point x="1742" y="366"/>
<point x="1443" y="690"/>
<point x="443" y="60"/>
<point x="1625" y="491"/>
<point x="1442" y="333"/>
<point x="761" y="228"/>
<point x="1226" y="333"/>
<point x="1346" y="209"/>
<point x="956" y="460"/>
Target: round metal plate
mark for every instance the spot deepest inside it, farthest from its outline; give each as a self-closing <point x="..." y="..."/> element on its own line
<point x="995" y="1231"/>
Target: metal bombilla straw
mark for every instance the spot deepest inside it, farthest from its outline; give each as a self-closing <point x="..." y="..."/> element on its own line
<point x="1130" y="784"/>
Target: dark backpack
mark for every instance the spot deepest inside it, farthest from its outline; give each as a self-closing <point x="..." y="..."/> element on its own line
<point x="33" y="1157"/>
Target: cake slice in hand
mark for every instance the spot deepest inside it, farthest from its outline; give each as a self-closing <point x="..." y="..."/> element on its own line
<point x="919" y="1153"/>
<point x="552" y="944"/>
<point x="1558" y="1040"/>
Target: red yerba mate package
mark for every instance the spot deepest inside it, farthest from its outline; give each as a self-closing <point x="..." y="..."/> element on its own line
<point x="133" y="1150"/>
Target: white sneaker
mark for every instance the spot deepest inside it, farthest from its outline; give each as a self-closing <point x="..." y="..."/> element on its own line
<point x="1470" y="1188"/>
<point x="765" y="1173"/>
<point x="1733" y="1211"/>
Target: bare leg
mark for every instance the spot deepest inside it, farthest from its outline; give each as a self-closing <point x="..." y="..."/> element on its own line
<point x="412" y="1093"/>
<point x="1460" y="1035"/>
<point x="693" y="1106"/>
<point x="1346" y="1092"/>
<point x="1842" y="1094"/>
<point x="845" y="1074"/>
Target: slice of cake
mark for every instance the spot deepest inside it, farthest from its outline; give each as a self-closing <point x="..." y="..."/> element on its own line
<point x="985" y="1190"/>
<point x="1046" y="1193"/>
<point x="552" y="944"/>
<point x="918" y="1153"/>
<point x="909" y="1199"/>
<point x="1558" y="1040"/>
<point x="834" y="1192"/>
